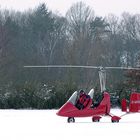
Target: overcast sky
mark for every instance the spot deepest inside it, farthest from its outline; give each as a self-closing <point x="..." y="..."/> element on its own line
<point x="100" y="7"/>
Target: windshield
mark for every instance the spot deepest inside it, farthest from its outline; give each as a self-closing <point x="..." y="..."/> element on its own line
<point x="73" y="98"/>
<point x="91" y="93"/>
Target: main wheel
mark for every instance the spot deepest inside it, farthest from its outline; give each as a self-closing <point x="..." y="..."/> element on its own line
<point x="115" y="121"/>
<point x="71" y="120"/>
<point x="95" y="120"/>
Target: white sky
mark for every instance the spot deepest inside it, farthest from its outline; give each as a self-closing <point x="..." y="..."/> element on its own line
<point x="101" y="7"/>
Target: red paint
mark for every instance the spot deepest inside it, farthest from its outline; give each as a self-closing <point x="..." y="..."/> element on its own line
<point x="124" y="105"/>
<point x="134" y="105"/>
<point x="70" y="110"/>
<point x="115" y="118"/>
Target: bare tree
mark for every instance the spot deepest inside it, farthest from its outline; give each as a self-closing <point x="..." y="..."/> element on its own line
<point x="130" y="32"/>
<point x="79" y="17"/>
<point x="113" y="22"/>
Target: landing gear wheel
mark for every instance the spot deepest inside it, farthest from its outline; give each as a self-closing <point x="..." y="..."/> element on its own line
<point x="96" y="118"/>
<point x="71" y="120"/>
<point x="115" y="121"/>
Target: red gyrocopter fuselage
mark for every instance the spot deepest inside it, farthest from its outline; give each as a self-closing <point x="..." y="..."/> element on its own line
<point x="70" y="110"/>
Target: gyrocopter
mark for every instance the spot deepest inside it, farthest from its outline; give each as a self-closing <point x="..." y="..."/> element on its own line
<point x="100" y="108"/>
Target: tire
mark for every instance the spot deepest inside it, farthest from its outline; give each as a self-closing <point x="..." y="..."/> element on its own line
<point x="71" y="120"/>
<point x="95" y="120"/>
<point x="115" y="121"/>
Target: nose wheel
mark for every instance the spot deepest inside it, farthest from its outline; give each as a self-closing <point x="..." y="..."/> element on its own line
<point x="71" y="120"/>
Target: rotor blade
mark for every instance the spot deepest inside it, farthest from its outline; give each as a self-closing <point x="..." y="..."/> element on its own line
<point x="62" y="66"/>
<point x="78" y="66"/>
<point x="123" y="68"/>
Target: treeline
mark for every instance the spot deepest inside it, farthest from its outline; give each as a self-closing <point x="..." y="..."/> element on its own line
<point x="40" y="37"/>
<point x="38" y="96"/>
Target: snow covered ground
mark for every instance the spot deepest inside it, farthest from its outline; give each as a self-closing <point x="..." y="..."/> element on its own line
<point x="46" y="125"/>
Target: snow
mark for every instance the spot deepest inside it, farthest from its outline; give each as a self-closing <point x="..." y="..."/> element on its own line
<point x="46" y="125"/>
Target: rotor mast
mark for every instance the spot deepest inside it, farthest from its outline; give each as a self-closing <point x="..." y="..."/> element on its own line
<point x="102" y="77"/>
